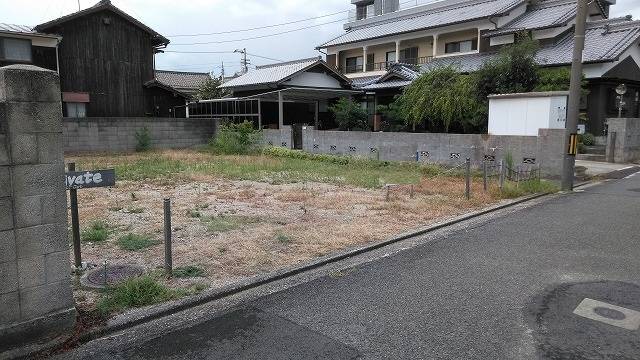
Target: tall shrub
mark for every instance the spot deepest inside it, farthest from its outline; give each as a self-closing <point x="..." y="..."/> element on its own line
<point x="350" y="115"/>
<point x="234" y="138"/>
<point x="440" y="98"/>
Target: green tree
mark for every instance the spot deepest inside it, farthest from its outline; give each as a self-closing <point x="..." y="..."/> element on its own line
<point x="393" y="118"/>
<point x="210" y="90"/>
<point x="439" y="98"/>
<point x="513" y="71"/>
<point x="350" y="115"/>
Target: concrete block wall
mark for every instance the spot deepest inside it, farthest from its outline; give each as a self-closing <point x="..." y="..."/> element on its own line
<point x="118" y="134"/>
<point x="278" y="137"/>
<point x="624" y="140"/>
<point x="35" y="286"/>
<point x="449" y="149"/>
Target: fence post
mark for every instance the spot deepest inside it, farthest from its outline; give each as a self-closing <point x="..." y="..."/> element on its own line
<point x="484" y="171"/>
<point x="468" y="179"/>
<point x="518" y="176"/>
<point x="75" y="222"/>
<point x="502" y="174"/>
<point x="168" y="260"/>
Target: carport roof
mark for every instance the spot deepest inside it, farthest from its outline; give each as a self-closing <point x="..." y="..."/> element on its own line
<point x="305" y="94"/>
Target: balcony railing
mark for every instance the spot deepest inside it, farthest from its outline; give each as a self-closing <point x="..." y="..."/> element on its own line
<point x="370" y="12"/>
<point x="383" y="66"/>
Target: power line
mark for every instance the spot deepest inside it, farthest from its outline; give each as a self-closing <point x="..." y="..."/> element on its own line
<point x="281" y="24"/>
<point x="261" y="36"/>
<point x="264" y="57"/>
<point x="261" y="27"/>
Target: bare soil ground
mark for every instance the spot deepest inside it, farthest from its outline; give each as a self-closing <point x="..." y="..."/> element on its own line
<point x="233" y="229"/>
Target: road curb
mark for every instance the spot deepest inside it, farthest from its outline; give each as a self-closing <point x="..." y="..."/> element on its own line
<point x="145" y="315"/>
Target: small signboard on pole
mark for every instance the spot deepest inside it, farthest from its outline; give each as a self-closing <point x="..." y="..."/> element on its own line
<point x="75" y="180"/>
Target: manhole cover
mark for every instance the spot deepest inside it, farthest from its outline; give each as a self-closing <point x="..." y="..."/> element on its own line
<point x="587" y="321"/>
<point x="112" y="275"/>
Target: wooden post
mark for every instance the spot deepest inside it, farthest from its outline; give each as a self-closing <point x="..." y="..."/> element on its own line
<point x="502" y="169"/>
<point x="484" y="171"/>
<point x="75" y="223"/>
<point x="468" y="179"/>
<point x="168" y="260"/>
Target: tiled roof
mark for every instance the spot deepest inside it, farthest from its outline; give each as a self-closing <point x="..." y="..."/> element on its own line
<point x="104" y="5"/>
<point x="185" y="82"/>
<point x="20" y="29"/>
<point x="546" y="14"/>
<point x="605" y="41"/>
<point x="399" y="75"/>
<point x="432" y="18"/>
<point x="364" y="80"/>
<point x="275" y="73"/>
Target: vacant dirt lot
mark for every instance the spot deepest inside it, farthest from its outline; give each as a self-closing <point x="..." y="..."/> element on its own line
<point x="233" y="228"/>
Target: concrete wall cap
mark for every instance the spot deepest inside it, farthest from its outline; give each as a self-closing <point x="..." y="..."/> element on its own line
<point x="529" y="95"/>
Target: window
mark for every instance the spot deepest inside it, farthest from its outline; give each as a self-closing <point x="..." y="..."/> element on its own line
<point x="461" y="46"/>
<point x="15" y="49"/>
<point x="409" y="55"/>
<point x="391" y="57"/>
<point x="76" y="110"/>
<point x="354" y="64"/>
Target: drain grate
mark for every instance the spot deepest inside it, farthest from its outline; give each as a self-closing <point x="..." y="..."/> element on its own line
<point x="114" y="274"/>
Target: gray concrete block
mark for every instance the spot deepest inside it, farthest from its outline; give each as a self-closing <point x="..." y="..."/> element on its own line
<point x="28" y="211"/>
<point x="6" y="214"/>
<point x="43" y="179"/>
<point x="50" y="148"/>
<point x="40" y="240"/>
<point x="24" y="148"/>
<point x="31" y="272"/>
<point x="8" y="277"/>
<point x="5" y="182"/>
<point x="10" y="309"/>
<point x="40" y="209"/>
<point x="7" y="246"/>
<point x="25" y="117"/>
<point x="4" y="150"/>
<point x="29" y="83"/>
<point x="57" y="267"/>
<point x="45" y="299"/>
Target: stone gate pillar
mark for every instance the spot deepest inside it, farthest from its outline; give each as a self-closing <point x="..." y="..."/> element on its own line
<point x="36" y="302"/>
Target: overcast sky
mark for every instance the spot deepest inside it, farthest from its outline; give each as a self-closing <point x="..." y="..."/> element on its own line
<point x="170" y="18"/>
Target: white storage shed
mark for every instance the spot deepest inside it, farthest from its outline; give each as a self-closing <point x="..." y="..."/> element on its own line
<point x="526" y="113"/>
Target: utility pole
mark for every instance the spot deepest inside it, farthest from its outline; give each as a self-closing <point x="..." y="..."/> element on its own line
<point x="222" y="72"/>
<point x="78" y="5"/>
<point x="575" y="89"/>
<point x="244" y="61"/>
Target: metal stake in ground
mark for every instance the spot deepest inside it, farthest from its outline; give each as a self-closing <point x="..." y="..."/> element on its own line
<point x="75" y="222"/>
<point x="468" y="179"/>
<point x="168" y="261"/>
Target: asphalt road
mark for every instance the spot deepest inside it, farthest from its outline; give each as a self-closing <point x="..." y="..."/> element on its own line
<point x="506" y="288"/>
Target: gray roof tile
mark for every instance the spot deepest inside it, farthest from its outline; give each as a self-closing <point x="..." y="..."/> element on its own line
<point x="275" y="73"/>
<point x="20" y="29"/>
<point x="545" y="14"/>
<point x="447" y="14"/>
<point x="185" y="82"/>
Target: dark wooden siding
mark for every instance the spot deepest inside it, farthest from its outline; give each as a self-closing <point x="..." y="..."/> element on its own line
<point x="108" y="57"/>
<point x="163" y="103"/>
<point x="44" y="57"/>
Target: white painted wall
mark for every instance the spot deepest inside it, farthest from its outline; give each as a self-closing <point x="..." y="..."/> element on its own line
<point x="314" y="80"/>
<point x="526" y="114"/>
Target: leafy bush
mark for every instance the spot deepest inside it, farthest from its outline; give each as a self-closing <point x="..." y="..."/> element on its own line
<point x="588" y="139"/>
<point x="393" y="118"/>
<point x="234" y="139"/>
<point x="450" y="100"/>
<point x="188" y="272"/>
<point x="143" y="140"/>
<point x="350" y="115"/>
<point x="135" y="293"/>
<point x="136" y="242"/>
<point x="98" y="231"/>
